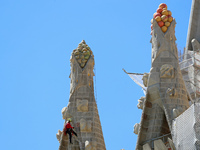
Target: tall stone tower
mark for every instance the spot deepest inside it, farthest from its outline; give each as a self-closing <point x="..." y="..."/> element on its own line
<point x="194" y="25"/>
<point x="166" y="91"/>
<point x="191" y="69"/>
<point x="82" y="107"/>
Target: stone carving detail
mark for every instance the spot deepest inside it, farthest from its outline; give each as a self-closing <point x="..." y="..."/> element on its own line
<point x="58" y="135"/>
<point x="90" y="145"/>
<point x="145" y="79"/>
<point x="82" y="54"/>
<point x="167" y="71"/>
<point x="65" y="112"/>
<point x="85" y="126"/>
<point x="172" y="92"/>
<point x="82" y="105"/>
<point x="136" y="128"/>
<point x="140" y="104"/>
<point x="195" y="45"/>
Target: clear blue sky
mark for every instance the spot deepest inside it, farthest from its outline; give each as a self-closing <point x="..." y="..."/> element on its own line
<point x="36" y="41"/>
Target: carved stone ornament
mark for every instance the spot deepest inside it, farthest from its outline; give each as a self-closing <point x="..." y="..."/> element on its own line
<point x="145" y="79"/>
<point x="85" y="126"/>
<point x="167" y="71"/>
<point x="65" y="113"/>
<point x="140" y="104"/>
<point x="172" y="92"/>
<point x="58" y="135"/>
<point x="136" y="128"/>
<point x="195" y="45"/>
<point x="82" y="54"/>
<point x="82" y="105"/>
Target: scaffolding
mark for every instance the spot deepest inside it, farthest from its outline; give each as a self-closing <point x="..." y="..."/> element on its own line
<point x="186" y="129"/>
<point x="190" y="69"/>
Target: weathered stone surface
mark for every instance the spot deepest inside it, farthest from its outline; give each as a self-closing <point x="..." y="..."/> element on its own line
<point x="82" y="105"/>
<point x="148" y="104"/>
<point x="154" y="93"/>
<point x="63" y="142"/>
<point x="165" y="87"/>
<point x="146" y="147"/>
<point x="90" y="145"/>
<point x="85" y="126"/>
<point x="159" y="145"/>
<point x="154" y="77"/>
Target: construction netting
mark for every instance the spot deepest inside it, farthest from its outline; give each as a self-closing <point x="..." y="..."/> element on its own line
<point x="137" y="78"/>
<point x="186" y="129"/>
<point x="190" y="67"/>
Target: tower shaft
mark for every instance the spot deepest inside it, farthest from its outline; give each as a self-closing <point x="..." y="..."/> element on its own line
<point x="82" y="107"/>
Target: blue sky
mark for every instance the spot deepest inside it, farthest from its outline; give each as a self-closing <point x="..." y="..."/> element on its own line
<point x="36" y="41"/>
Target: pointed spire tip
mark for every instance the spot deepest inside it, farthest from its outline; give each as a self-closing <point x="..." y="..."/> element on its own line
<point x="83" y="41"/>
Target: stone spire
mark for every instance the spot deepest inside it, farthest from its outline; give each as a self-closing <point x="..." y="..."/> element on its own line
<point x="194" y="25"/>
<point x="82" y="107"/>
<point x="166" y="92"/>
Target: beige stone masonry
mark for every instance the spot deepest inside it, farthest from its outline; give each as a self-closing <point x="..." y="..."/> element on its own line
<point x="166" y="94"/>
<point x="82" y="107"/>
<point x="159" y="145"/>
<point x="146" y="147"/>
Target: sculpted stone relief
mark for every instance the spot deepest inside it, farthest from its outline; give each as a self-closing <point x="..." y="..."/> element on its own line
<point x="172" y="92"/>
<point x="65" y="112"/>
<point x="195" y="45"/>
<point x="82" y="105"/>
<point x="140" y="104"/>
<point x="167" y="71"/>
<point x="136" y="128"/>
<point x="58" y="135"/>
<point x="82" y="53"/>
<point x="85" y="126"/>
